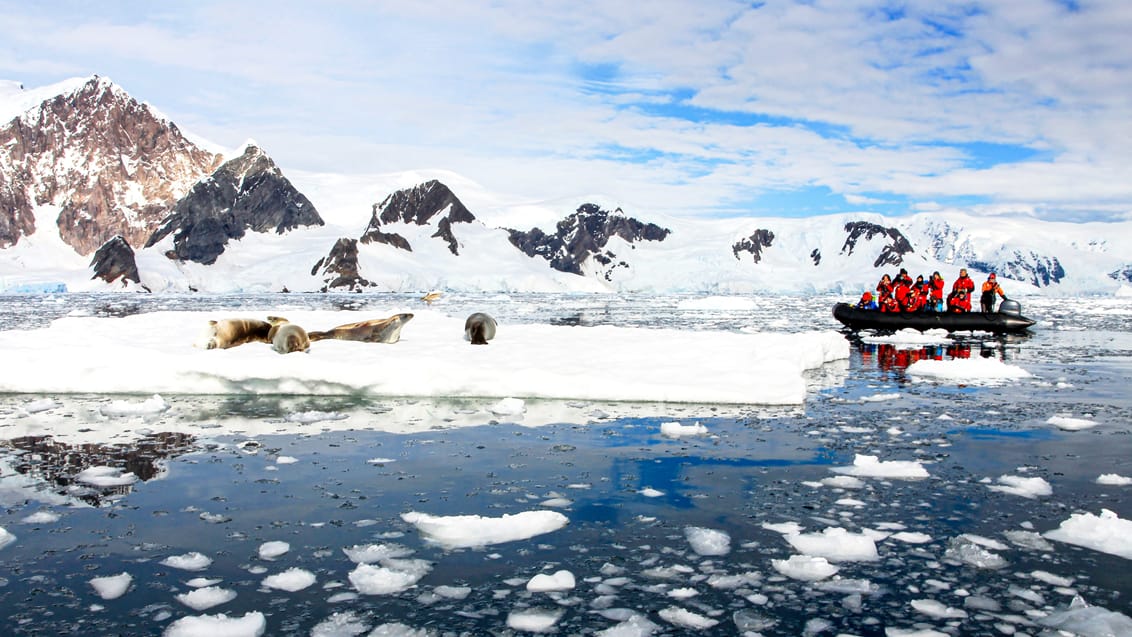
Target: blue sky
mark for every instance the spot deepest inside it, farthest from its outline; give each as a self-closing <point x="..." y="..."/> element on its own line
<point x="694" y="108"/>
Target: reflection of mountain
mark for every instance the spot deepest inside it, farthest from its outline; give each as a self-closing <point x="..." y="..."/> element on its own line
<point x="42" y="464"/>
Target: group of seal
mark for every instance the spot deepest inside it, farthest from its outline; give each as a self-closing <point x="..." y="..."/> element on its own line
<point x="286" y="337"/>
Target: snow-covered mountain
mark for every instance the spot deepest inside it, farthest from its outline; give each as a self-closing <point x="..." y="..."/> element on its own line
<point x="99" y="192"/>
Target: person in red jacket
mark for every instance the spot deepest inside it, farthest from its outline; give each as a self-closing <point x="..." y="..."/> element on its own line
<point x="958" y="302"/>
<point x="901" y="288"/>
<point x="963" y="283"/>
<point x="936" y="284"/>
<point x="889" y="304"/>
<point x="884" y="288"/>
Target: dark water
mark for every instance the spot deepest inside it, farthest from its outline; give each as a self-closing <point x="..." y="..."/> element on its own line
<point x="227" y="495"/>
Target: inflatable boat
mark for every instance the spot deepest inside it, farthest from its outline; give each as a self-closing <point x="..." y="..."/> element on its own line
<point x="1007" y="319"/>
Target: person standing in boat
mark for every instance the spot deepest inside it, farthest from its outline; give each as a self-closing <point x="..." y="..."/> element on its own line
<point x="990" y="288"/>
<point x="936" y="284"/>
<point x="902" y="289"/>
<point x="884" y="288"/>
<point x="963" y="283"/>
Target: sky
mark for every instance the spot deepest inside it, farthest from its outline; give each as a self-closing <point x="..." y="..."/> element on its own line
<point x="715" y="109"/>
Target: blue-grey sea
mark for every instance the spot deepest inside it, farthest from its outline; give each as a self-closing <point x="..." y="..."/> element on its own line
<point x="974" y="561"/>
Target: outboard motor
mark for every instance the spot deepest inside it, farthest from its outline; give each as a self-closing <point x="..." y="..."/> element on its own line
<point x="1010" y="307"/>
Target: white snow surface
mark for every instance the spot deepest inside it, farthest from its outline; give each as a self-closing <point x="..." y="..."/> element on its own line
<point x="967" y="370"/>
<point x="252" y="624"/>
<point x="155" y="354"/>
<point x="112" y="586"/>
<point x="1107" y="532"/>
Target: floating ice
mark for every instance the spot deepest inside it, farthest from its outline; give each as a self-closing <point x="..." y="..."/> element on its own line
<point x="311" y="417"/>
<point x="708" y="541"/>
<point x="650" y="492"/>
<point x="6" y="537"/>
<point x="466" y="531"/>
<point x="286" y="460"/>
<point x="1114" y="479"/>
<point x="192" y="561"/>
<point x="290" y="580"/>
<point x="112" y="586"/>
<point x="686" y="619"/>
<point x="807" y="568"/>
<point x="966" y="550"/>
<point x="252" y="624"/>
<point x="106" y="477"/>
<point x="910" y="537"/>
<point x="119" y="408"/>
<point x="1070" y="424"/>
<point x="397" y="576"/>
<point x="371" y="553"/>
<point x="938" y="610"/>
<point x="870" y="467"/>
<point x="345" y="624"/>
<point x="1106" y="532"/>
<point x="678" y="430"/>
<point x="37" y="406"/>
<point x="1026" y="487"/>
<point x="206" y="597"/>
<point x="912" y="338"/>
<point x="534" y="620"/>
<point x="41" y="517"/>
<point x="835" y="544"/>
<point x="545" y="583"/>
<point x="967" y="370"/>
<point x="508" y="407"/>
<point x="273" y="549"/>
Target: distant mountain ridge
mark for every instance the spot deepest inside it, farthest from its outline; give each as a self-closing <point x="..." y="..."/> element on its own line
<point x="99" y="192"/>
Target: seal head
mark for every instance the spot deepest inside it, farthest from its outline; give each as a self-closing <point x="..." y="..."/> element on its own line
<point x="479" y="328"/>
<point x="286" y="337"/>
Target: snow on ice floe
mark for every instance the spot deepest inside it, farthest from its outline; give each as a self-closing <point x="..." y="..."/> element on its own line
<point x="708" y="542"/>
<point x="679" y="430"/>
<point x="101" y="476"/>
<point x="806" y="568"/>
<point x="1107" y="532"/>
<point x="1082" y="619"/>
<point x="273" y="549"/>
<point x="534" y="620"/>
<point x="112" y="586"/>
<point x="392" y="577"/>
<point x="1068" y="423"/>
<point x="153" y="353"/>
<point x="865" y="466"/>
<point x="206" y="597"/>
<point x="911" y="338"/>
<point x="192" y="561"/>
<point x="471" y="531"/>
<point x="1025" y="487"/>
<point x="836" y="545"/>
<point x="967" y="370"/>
<point x="1114" y="479"/>
<point x="290" y="580"/>
<point x="562" y="580"/>
<point x="41" y="517"/>
<point x="252" y="624"/>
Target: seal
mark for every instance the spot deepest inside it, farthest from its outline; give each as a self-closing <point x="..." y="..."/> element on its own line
<point x="479" y="328"/>
<point x="286" y="337"/>
<point x="386" y="330"/>
<point x="430" y="297"/>
<point x="227" y="333"/>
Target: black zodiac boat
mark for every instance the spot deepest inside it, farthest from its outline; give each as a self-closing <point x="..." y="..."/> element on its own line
<point x="1008" y="318"/>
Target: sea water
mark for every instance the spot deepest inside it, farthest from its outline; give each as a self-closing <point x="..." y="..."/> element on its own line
<point x="955" y="552"/>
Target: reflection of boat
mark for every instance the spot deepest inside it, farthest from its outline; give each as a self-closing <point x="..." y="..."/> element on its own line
<point x="1007" y="319"/>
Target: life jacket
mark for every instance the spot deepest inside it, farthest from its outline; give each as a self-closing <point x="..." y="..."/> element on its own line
<point x="889" y="304"/>
<point x="937" y="288"/>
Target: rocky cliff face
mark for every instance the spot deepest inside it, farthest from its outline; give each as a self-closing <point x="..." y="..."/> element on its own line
<point x="246" y="193"/>
<point x="585" y="235"/>
<point x="110" y="164"/>
<point x="339" y="269"/>
<point x="418" y="205"/>
<point x="891" y="254"/>
<point x="114" y="261"/>
<point x="754" y="244"/>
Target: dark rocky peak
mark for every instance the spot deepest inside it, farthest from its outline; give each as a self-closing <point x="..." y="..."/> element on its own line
<point x="585" y="234"/>
<point x="753" y="244"/>
<point x="112" y="166"/>
<point x="115" y="261"/>
<point x="339" y="269"/>
<point x="418" y="205"/>
<point x="1040" y="270"/>
<point x="246" y="193"/>
<point x="891" y="253"/>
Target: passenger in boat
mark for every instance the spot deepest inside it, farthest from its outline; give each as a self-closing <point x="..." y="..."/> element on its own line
<point x="963" y="283"/>
<point x="958" y="302"/>
<point x="867" y="302"/>
<point x="936" y="285"/>
<point x="889" y="304"/>
<point x="884" y="288"/>
<point x="901" y="288"/>
<point x="990" y="288"/>
<point x="902" y="276"/>
<point x="917" y="299"/>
